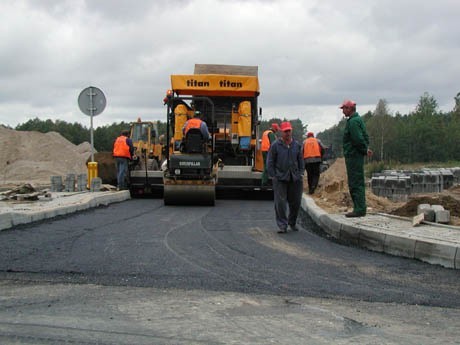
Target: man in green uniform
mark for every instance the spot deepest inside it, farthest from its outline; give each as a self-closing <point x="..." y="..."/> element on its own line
<point x="355" y="148"/>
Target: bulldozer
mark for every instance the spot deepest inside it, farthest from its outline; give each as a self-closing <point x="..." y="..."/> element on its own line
<point x="147" y="146"/>
<point x="196" y="168"/>
<point x="145" y="177"/>
<point x="148" y="156"/>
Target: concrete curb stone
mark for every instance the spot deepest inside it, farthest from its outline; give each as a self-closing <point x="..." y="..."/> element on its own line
<point x="315" y="211"/>
<point x="6" y="221"/>
<point x="431" y="243"/>
<point x="457" y="258"/>
<point x="372" y="240"/>
<point x="333" y="227"/>
<point x="435" y="253"/>
<point x="73" y="202"/>
<point x="350" y="234"/>
<point x="399" y="246"/>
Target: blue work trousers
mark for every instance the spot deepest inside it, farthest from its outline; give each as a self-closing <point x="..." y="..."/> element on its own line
<point x="288" y="196"/>
<point x="122" y="172"/>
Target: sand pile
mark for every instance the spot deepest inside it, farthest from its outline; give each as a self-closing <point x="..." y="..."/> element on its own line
<point x="332" y="193"/>
<point x="33" y="157"/>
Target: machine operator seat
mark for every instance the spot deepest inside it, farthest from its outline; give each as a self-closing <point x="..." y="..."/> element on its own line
<point x="194" y="141"/>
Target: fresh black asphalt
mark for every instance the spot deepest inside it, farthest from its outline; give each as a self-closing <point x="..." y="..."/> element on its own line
<point x="230" y="247"/>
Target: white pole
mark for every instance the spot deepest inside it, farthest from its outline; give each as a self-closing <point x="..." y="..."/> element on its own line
<point x="91" y="106"/>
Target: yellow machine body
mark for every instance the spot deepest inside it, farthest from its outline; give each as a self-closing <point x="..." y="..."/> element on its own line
<point x="226" y="97"/>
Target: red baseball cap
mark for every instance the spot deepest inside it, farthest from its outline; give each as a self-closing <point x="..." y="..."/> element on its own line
<point x="275" y="126"/>
<point x="310" y="134"/>
<point x="286" y="126"/>
<point x="348" y="103"/>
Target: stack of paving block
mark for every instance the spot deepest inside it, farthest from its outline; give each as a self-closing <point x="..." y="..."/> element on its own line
<point x="96" y="184"/>
<point x="69" y="183"/>
<point x="394" y="186"/>
<point x="398" y="185"/>
<point x="434" y="213"/>
<point x="447" y="177"/>
<point x="56" y="184"/>
<point x="431" y="182"/>
<point x="456" y="173"/>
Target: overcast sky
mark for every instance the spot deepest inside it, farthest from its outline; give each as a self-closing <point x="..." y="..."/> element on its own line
<point x="311" y="54"/>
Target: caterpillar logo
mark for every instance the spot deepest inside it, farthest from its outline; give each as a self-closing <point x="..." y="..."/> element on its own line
<point x="189" y="164"/>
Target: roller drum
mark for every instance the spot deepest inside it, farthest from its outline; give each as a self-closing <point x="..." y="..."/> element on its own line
<point x="184" y="194"/>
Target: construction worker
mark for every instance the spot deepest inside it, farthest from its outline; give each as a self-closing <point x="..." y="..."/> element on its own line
<point x="196" y="122"/>
<point x="268" y="137"/>
<point x="312" y="156"/>
<point x="355" y="148"/>
<point x="123" y="151"/>
<point x="285" y="167"/>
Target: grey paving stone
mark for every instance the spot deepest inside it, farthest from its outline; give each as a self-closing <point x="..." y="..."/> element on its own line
<point x="437" y="207"/>
<point x="427" y="210"/>
<point x="442" y="216"/>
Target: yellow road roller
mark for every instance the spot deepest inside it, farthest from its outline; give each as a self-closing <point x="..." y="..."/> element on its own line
<point x="212" y="132"/>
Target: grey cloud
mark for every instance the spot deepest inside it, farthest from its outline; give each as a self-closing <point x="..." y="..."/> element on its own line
<point x="309" y="53"/>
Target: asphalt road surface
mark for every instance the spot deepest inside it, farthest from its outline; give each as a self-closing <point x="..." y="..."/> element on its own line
<point x="191" y="274"/>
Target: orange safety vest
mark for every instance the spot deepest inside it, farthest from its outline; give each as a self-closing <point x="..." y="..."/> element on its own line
<point x="266" y="141"/>
<point x="311" y="148"/>
<point x="121" y="148"/>
<point x="192" y="123"/>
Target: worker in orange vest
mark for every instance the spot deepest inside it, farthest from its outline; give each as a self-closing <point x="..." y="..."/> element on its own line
<point x="268" y="137"/>
<point x="196" y="122"/>
<point x="312" y="156"/>
<point x="123" y="151"/>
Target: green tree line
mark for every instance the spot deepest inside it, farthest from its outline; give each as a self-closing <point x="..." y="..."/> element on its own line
<point x="424" y="135"/>
<point x="105" y="135"/>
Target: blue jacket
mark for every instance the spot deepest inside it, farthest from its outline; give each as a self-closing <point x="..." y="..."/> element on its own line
<point x="285" y="162"/>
